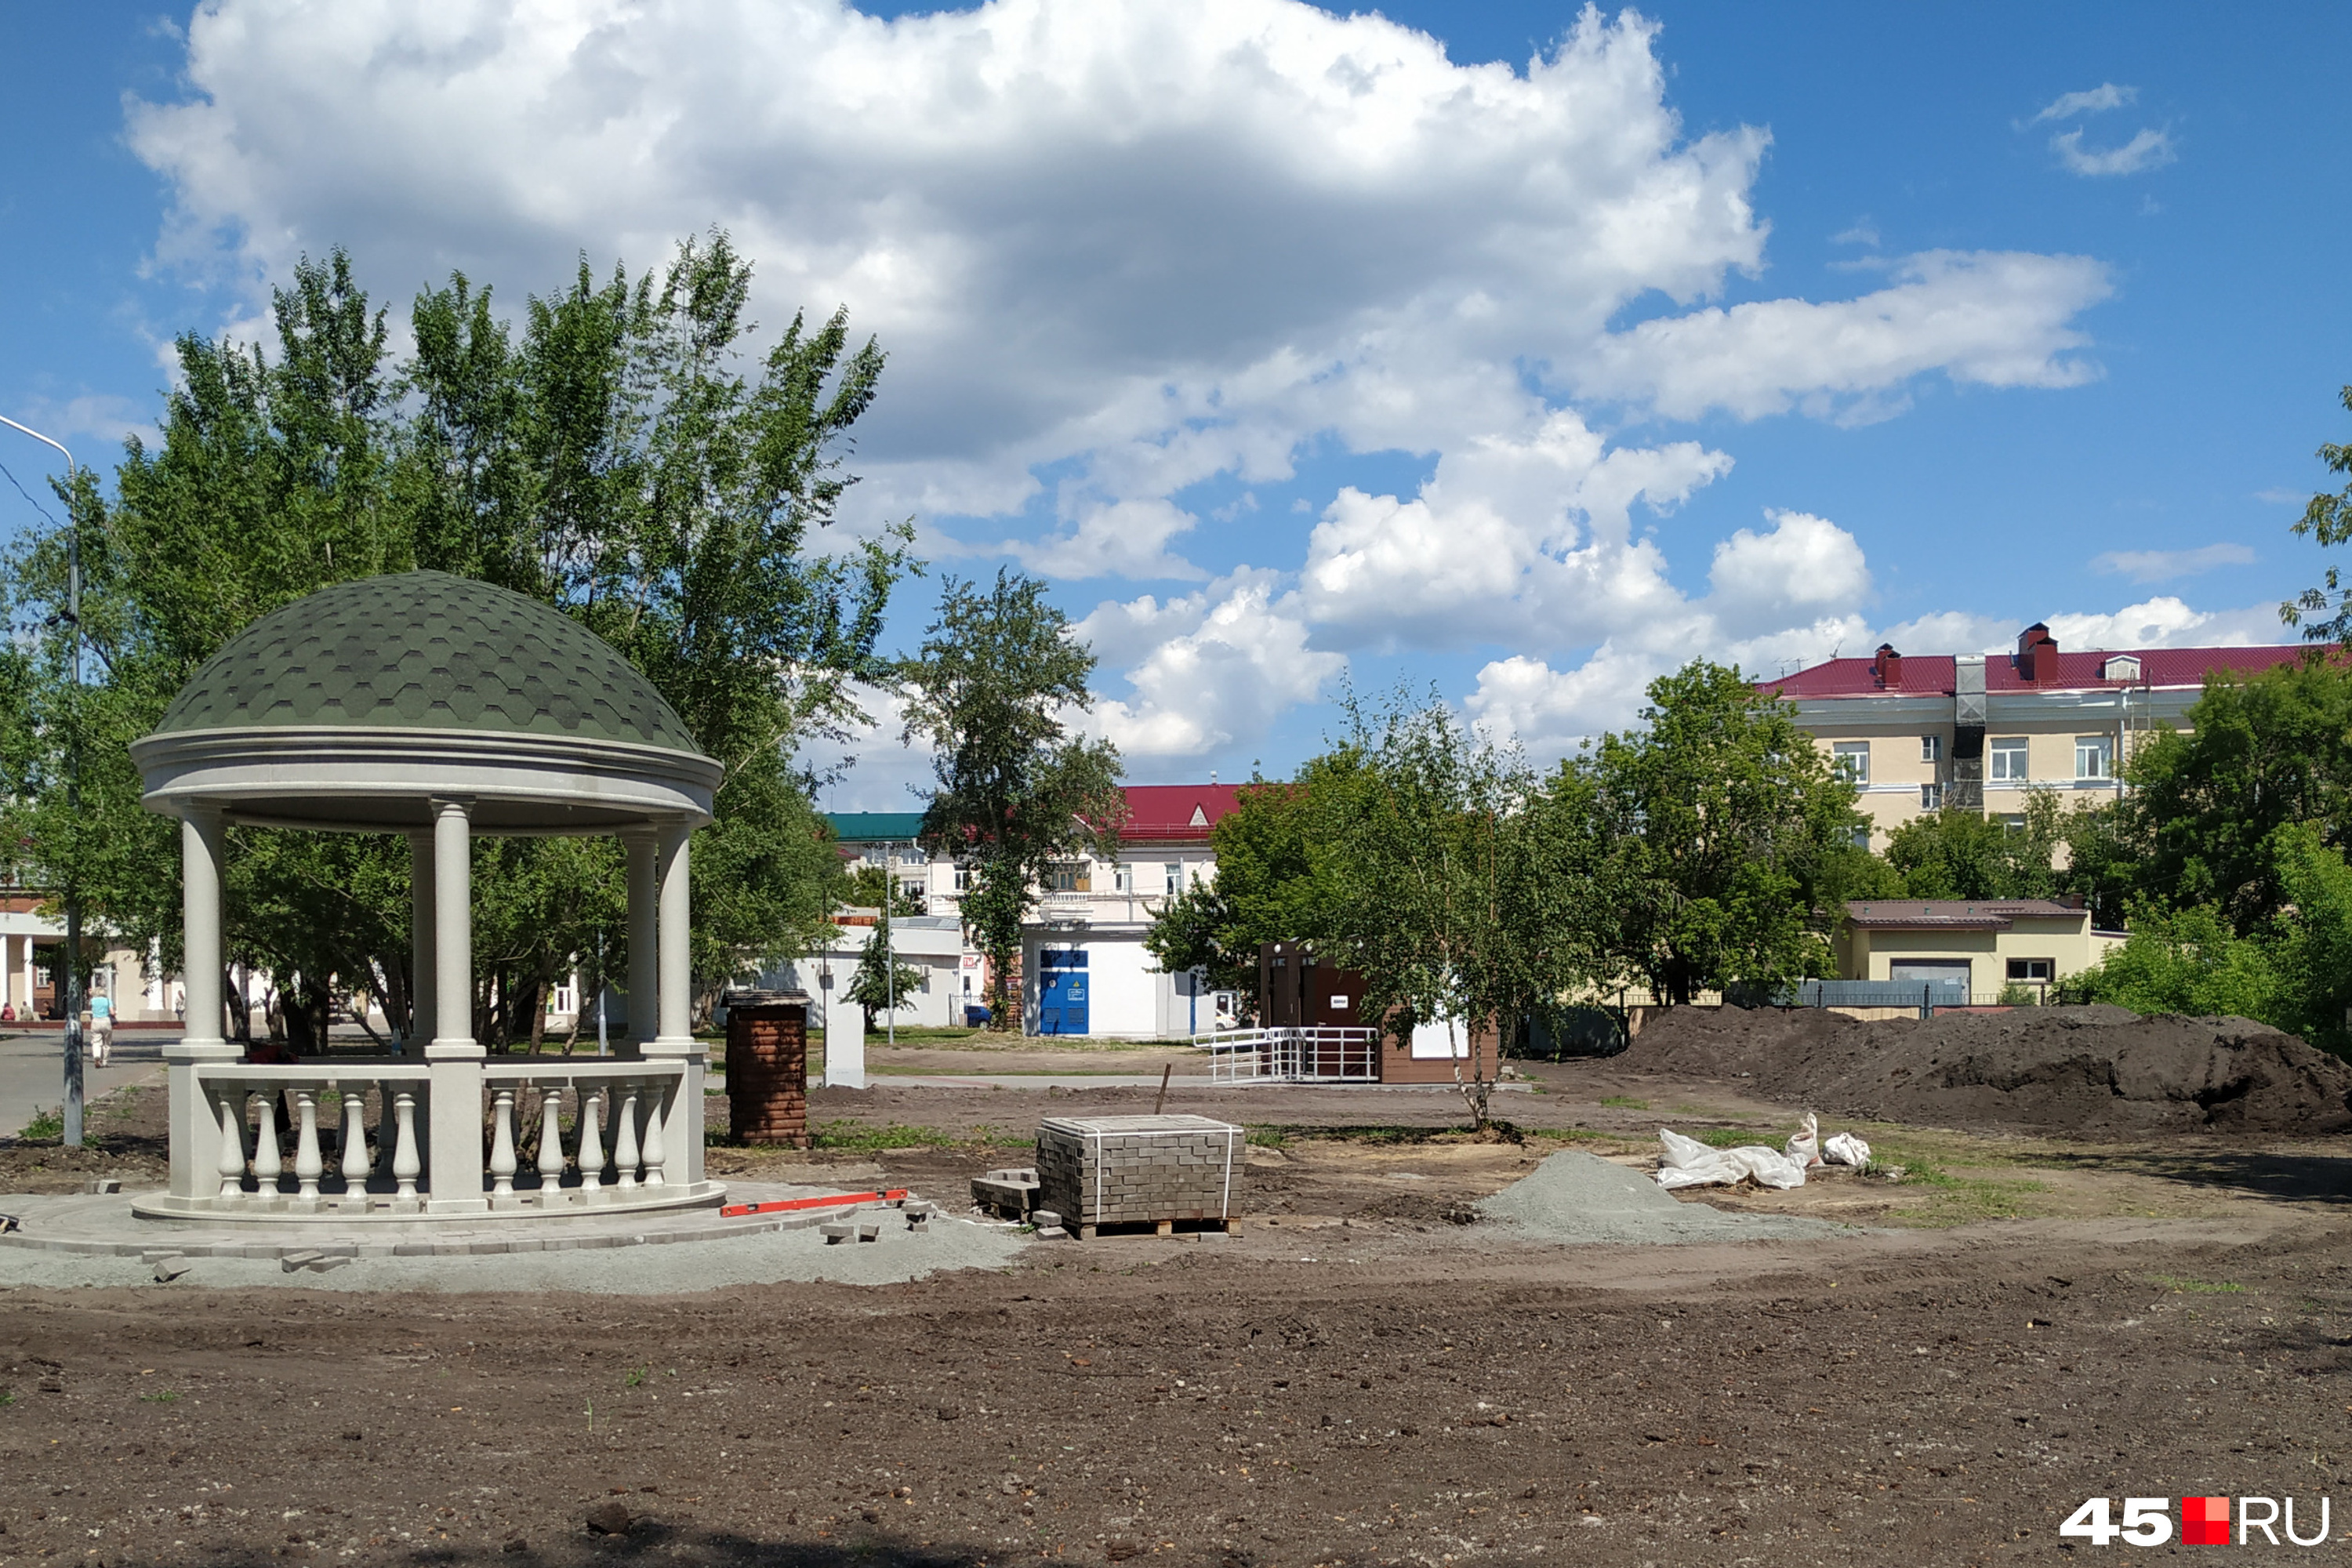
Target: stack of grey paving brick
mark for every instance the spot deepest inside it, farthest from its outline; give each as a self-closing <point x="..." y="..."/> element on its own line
<point x="1127" y="1169"/>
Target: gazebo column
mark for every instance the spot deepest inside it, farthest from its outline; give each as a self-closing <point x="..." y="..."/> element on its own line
<point x="194" y="1124"/>
<point x="645" y="959"/>
<point x="454" y="1153"/>
<point x="424" y="1017"/>
<point x="674" y="1005"/>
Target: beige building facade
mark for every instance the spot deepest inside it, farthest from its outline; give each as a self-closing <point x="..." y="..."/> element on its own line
<point x="1983" y="946"/>
<point x="1979" y="730"/>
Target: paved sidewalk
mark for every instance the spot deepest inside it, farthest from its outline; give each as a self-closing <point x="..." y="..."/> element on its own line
<point x="32" y="1072"/>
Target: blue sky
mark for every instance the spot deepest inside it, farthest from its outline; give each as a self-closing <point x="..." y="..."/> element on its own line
<point x="1297" y="348"/>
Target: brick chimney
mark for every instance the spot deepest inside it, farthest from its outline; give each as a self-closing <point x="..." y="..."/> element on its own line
<point x="1888" y="666"/>
<point x="2037" y="656"/>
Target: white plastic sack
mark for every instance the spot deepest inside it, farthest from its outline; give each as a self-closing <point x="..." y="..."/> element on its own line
<point x="1805" y="1148"/>
<point x="1845" y="1149"/>
<point x="1687" y="1163"/>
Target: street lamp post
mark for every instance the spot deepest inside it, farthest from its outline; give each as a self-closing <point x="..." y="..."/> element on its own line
<point x="73" y="800"/>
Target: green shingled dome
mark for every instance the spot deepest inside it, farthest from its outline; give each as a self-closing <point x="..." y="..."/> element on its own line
<point x="424" y="650"/>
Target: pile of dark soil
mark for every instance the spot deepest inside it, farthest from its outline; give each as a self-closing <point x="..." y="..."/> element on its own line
<point x="2097" y="1070"/>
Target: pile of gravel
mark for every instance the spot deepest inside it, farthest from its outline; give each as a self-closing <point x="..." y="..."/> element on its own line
<point x="2100" y="1071"/>
<point x="1576" y="1198"/>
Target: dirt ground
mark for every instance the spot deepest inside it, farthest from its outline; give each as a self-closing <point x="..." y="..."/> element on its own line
<point x="1356" y="1378"/>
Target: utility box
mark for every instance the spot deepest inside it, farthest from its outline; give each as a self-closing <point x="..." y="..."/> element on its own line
<point x="767" y="1071"/>
<point x="1137" y="1170"/>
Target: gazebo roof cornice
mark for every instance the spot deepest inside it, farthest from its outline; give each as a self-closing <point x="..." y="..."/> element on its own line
<point x="374" y="780"/>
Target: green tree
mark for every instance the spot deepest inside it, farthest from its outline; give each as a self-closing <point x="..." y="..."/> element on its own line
<point x="618" y="461"/>
<point x="1272" y="882"/>
<point x="881" y="983"/>
<point x="869" y="888"/>
<point x="2324" y="613"/>
<point x="1016" y="789"/>
<point x="2195" y="821"/>
<point x="1449" y="886"/>
<point x="1957" y="853"/>
<point x="2184" y="961"/>
<point x="1719" y="835"/>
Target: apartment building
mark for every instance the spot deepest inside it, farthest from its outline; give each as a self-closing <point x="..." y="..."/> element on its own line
<point x="1084" y="970"/>
<point x="1979" y="729"/>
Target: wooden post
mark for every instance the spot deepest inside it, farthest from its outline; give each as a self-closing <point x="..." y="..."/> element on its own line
<point x="1161" y="1103"/>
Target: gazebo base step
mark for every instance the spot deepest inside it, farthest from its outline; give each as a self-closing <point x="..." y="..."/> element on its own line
<point x="285" y="1209"/>
<point x="106" y="1225"/>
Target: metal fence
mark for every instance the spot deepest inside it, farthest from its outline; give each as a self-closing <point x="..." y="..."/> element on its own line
<point x="1292" y="1056"/>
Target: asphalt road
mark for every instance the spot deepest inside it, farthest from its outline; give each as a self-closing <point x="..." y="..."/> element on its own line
<point x="32" y="1072"/>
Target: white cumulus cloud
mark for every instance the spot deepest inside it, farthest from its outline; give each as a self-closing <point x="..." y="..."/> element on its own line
<point x="2149" y="149"/>
<point x="2156" y="566"/>
<point x="2094" y="100"/>
<point x="1229" y="660"/>
<point x="1115" y="251"/>
<point x="1992" y="319"/>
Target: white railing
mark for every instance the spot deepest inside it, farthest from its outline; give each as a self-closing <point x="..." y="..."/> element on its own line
<point x="617" y="1147"/>
<point x="1318" y="1055"/>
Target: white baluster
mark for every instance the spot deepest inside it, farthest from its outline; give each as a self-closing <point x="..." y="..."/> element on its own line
<point x="404" y="1162"/>
<point x="232" y="1141"/>
<point x="656" y="1149"/>
<point x="307" y="1164"/>
<point x="551" y="1141"/>
<point x="592" y="1140"/>
<point x="265" y="1160"/>
<point x="625" y="1137"/>
<point x="502" y="1144"/>
<point x="355" y="1142"/>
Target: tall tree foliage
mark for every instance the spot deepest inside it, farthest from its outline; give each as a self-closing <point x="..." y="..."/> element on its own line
<point x="1275" y="879"/>
<point x="1720" y="839"/>
<point x="1449" y="885"/>
<point x="616" y="457"/>
<point x="999" y="675"/>
<point x="2196" y="820"/>
<point x="2324" y="613"/>
<point x="1959" y="853"/>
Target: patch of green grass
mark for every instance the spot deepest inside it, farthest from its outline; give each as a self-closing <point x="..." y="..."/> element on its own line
<point x="2186" y="1286"/>
<point x="636" y="1375"/>
<point x="1958" y="1199"/>
<point x="1624" y="1102"/>
<point x="44" y="1124"/>
<point x="162" y="1396"/>
<point x="1570" y="1134"/>
<point x="1266" y="1137"/>
<point x="868" y="1140"/>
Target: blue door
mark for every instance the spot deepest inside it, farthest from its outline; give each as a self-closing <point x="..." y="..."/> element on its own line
<point x="1062" y="991"/>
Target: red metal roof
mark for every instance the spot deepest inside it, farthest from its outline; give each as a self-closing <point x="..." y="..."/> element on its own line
<point x="1177" y="814"/>
<point x="1954" y="914"/>
<point x="1930" y="675"/>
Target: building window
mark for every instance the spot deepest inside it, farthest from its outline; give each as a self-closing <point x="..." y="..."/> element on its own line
<point x="2006" y="760"/>
<point x="2094" y="756"/>
<point x="963" y="878"/>
<point x="1175" y="869"/>
<point x="2013" y="823"/>
<point x="1931" y="748"/>
<point x="2122" y="667"/>
<point x="1072" y="877"/>
<point x="2031" y="971"/>
<point x="1851" y="759"/>
<point x="912" y="889"/>
<point x="1931" y="798"/>
<point x="1122" y="879"/>
<point x="1860" y="837"/>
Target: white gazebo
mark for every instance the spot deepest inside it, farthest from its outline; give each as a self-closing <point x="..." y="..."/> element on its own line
<point x="440" y="708"/>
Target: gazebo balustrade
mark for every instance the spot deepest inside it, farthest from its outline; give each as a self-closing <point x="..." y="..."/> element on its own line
<point x="616" y="1150"/>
